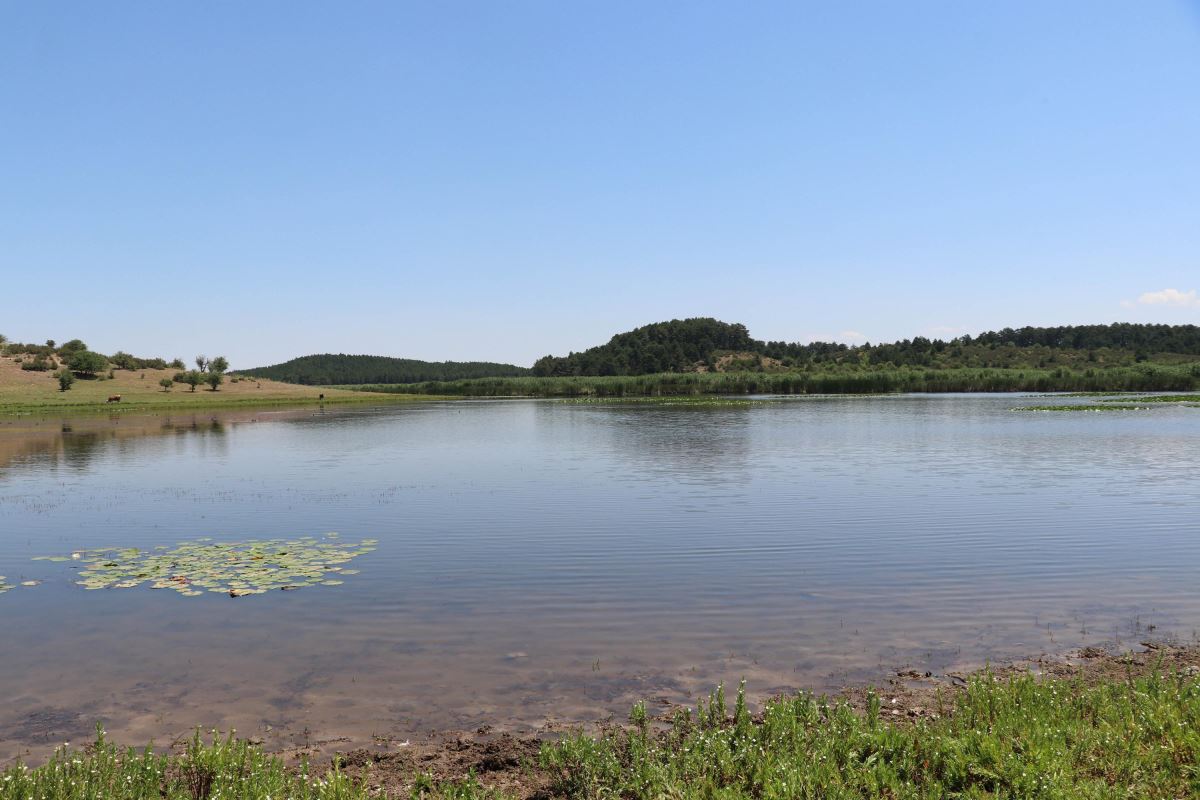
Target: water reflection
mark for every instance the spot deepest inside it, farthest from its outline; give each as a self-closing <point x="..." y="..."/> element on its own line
<point x="76" y="444"/>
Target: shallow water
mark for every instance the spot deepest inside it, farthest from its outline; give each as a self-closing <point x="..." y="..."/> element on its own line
<point x="542" y="563"/>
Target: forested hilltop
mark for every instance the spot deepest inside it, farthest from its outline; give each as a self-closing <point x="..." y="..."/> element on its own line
<point x="340" y="369"/>
<point x="709" y="345"/>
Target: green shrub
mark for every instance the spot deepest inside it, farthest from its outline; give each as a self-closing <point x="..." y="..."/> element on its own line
<point x="87" y="364"/>
<point x="38" y="363"/>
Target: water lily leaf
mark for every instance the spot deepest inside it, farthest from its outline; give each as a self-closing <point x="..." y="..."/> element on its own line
<point x="234" y="568"/>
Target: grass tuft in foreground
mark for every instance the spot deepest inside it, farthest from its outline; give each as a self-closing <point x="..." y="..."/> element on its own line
<point x="1019" y="737"/>
<point x="205" y="770"/>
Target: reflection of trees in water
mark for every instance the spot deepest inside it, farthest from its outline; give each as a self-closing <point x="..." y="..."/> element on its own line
<point x="78" y="444"/>
<point x="704" y="444"/>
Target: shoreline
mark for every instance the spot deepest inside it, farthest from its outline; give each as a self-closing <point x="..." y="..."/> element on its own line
<point x="491" y="759"/>
<point x="19" y="410"/>
<point x="32" y="394"/>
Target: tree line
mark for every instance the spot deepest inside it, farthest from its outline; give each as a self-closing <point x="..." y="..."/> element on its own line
<point x="330" y="369"/>
<point x="705" y="344"/>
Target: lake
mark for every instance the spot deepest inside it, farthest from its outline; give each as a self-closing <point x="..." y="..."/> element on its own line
<point x="544" y="563"/>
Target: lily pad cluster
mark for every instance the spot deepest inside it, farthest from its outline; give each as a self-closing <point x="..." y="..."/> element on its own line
<point x="255" y="566"/>
<point x="5" y="587"/>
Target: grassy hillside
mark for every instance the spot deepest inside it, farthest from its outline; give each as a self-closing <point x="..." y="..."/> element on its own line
<point x="24" y="391"/>
<point x="330" y="370"/>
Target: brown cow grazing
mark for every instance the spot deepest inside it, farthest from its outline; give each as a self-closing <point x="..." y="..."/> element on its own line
<point x="114" y="398"/>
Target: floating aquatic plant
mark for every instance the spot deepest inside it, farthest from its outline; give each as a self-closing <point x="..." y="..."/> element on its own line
<point x="1159" y="398"/>
<point x="234" y="568"/>
<point x="4" y="587"/>
<point x="1081" y="407"/>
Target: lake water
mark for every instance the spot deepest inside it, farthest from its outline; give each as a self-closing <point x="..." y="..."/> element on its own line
<point x="542" y="563"/>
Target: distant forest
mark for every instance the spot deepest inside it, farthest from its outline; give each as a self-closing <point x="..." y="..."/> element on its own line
<point x="705" y="344"/>
<point x="702" y="344"/>
<point x="341" y="369"/>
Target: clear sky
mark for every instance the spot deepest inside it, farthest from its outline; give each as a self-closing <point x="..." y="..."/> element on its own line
<point x="502" y="180"/>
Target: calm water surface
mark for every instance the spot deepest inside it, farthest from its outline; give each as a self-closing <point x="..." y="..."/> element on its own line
<point x="546" y="563"/>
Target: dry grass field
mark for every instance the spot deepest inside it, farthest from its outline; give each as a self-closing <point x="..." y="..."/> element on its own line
<point x="23" y="391"/>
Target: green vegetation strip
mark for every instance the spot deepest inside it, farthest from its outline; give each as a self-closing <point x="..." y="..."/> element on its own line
<point x="1015" y="738"/>
<point x="822" y="379"/>
<point x="1018" y="737"/>
<point x="1081" y="407"/>
<point x="201" y="400"/>
<point x="220" y="768"/>
<point x="1158" y="398"/>
<point x="232" y="568"/>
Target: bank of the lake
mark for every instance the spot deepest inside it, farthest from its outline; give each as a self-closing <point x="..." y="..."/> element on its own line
<point x="29" y="392"/>
<point x="849" y="380"/>
<point x="1100" y="724"/>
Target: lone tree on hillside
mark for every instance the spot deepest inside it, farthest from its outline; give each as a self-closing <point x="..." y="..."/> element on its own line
<point x="214" y="379"/>
<point x="218" y="364"/>
<point x="193" y="378"/>
<point x="202" y="362"/>
<point x="166" y="383"/>
<point x="65" y="379"/>
<point x="87" y="363"/>
<point x="71" y="348"/>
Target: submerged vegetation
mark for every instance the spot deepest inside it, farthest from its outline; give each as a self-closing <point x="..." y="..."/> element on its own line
<point x="999" y="737"/>
<point x="233" y="568"/>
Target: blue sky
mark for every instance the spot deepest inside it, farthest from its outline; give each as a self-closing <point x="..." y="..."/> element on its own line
<point x="501" y="180"/>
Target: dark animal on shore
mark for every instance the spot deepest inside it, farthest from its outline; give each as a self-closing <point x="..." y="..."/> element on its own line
<point x="114" y="398"/>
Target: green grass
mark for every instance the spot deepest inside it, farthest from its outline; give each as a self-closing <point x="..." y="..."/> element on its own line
<point x="1014" y="737"/>
<point x="205" y="770"/>
<point x="1017" y="738"/>
<point x="842" y="380"/>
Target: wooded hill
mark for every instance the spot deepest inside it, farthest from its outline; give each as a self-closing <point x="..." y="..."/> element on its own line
<point x="704" y="344"/>
<point x="341" y="369"/>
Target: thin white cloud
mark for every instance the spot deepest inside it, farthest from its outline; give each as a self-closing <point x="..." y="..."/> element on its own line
<point x="1167" y="297"/>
